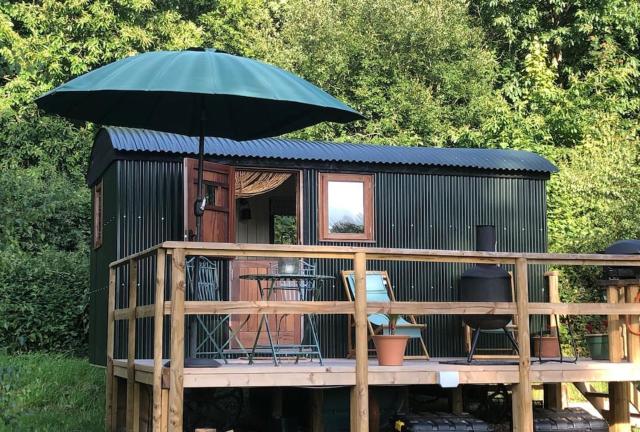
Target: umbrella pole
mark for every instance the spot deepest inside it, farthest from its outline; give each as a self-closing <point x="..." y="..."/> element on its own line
<point x="198" y="209"/>
<point x="198" y="206"/>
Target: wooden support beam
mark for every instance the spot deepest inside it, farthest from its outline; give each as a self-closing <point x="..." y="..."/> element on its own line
<point x="398" y="307"/>
<point x="554" y="393"/>
<point x="164" y="422"/>
<point x="633" y="333"/>
<point x="457" y="401"/>
<point x="120" y="403"/>
<point x="158" y="325"/>
<point x="109" y="397"/>
<point x="374" y="411"/>
<point x="425" y="255"/>
<point x="554" y="297"/>
<point x="135" y="427"/>
<point x="176" y="405"/>
<point x="131" y="342"/>
<point x="123" y="314"/>
<point x="317" y="408"/>
<point x="522" y="404"/>
<point x="137" y="255"/>
<point x="353" y="410"/>
<point x="633" y="341"/>
<point x="361" y="415"/>
<point x="619" y="418"/>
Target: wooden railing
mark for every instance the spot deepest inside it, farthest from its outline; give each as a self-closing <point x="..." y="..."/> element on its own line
<point x="177" y="308"/>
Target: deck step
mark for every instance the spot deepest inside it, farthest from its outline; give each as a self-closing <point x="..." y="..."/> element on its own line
<point x="596" y="395"/>
<point x="600" y="400"/>
<point x="632" y="414"/>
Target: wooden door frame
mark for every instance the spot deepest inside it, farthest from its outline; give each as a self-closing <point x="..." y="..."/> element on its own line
<point x="299" y="197"/>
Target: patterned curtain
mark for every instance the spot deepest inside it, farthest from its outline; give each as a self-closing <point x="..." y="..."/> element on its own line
<point x="252" y="183"/>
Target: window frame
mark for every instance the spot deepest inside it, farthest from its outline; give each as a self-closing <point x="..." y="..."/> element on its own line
<point x="98" y="214"/>
<point x="323" y="207"/>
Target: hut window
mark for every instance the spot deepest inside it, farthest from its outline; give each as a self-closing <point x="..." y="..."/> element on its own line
<point x="346" y="207"/>
<point x="97" y="215"/>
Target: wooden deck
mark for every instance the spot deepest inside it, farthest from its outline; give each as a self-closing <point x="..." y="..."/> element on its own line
<point x="342" y="372"/>
<point x="125" y="396"/>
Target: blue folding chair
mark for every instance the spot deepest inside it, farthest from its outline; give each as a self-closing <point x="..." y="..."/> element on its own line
<point x="210" y="330"/>
<point x="379" y="289"/>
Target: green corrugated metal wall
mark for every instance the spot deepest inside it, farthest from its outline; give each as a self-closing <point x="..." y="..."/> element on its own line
<point x="437" y="212"/>
<point x="143" y="206"/>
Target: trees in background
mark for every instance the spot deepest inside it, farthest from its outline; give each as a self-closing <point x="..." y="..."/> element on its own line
<point x="570" y="71"/>
<point x="557" y="77"/>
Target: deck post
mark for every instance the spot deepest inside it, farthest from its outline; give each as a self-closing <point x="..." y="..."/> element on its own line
<point x="158" y="325"/>
<point x="176" y="405"/>
<point x="457" y="401"/>
<point x="522" y="404"/>
<point x="633" y="340"/>
<point x="619" y="416"/>
<point x="360" y="394"/>
<point x="554" y="393"/>
<point x="109" y="397"/>
<point x="131" y="342"/>
<point x="164" y="423"/>
<point x="317" y="406"/>
<point x="136" y="407"/>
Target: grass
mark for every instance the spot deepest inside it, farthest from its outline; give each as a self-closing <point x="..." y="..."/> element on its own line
<point x="50" y="392"/>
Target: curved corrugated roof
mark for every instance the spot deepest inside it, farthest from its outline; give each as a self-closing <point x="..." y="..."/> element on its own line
<point x="139" y="140"/>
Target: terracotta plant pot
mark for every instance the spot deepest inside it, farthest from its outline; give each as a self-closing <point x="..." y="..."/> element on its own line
<point x="390" y="349"/>
<point x="550" y="348"/>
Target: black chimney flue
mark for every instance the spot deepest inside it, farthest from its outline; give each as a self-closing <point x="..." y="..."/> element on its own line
<point x="485" y="238"/>
<point x="486" y="283"/>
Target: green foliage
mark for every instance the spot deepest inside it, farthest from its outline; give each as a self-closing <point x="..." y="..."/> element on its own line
<point x="419" y="71"/>
<point x="43" y="300"/>
<point x="8" y="378"/>
<point x="40" y="210"/>
<point x="242" y="27"/>
<point x="51" y="393"/>
<point x="43" y="261"/>
<point x="285" y="229"/>
<point x="571" y="74"/>
<point x="46" y="43"/>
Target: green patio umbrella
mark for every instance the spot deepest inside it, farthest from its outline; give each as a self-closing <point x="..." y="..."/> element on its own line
<point x="196" y="92"/>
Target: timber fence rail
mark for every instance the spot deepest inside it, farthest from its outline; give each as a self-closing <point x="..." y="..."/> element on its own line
<point x="177" y="307"/>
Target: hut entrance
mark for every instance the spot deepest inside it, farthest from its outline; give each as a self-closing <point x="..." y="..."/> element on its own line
<point x="266" y="212"/>
<point x="218" y="221"/>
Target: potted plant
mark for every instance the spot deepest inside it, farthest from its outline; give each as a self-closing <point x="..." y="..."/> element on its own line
<point x="597" y="338"/>
<point x="390" y="347"/>
<point x="546" y="345"/>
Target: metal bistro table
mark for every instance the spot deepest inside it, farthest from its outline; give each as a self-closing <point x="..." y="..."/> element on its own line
<point x="306" y="288"/>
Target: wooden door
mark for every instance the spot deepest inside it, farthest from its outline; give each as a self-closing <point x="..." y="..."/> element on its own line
<point x="218" y="221"/>
<point x="290" y="325"/>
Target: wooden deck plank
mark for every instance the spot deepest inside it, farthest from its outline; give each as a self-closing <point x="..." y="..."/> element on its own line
<point x="238" y="373"/>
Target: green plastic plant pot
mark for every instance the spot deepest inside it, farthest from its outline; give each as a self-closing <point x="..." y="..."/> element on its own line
<point x="598" y="345"/>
